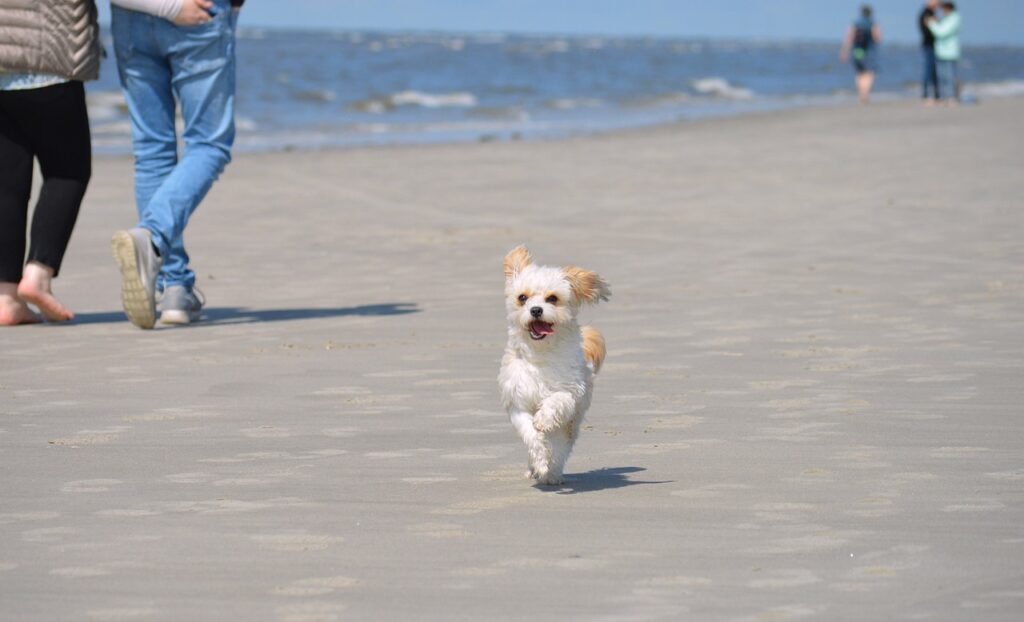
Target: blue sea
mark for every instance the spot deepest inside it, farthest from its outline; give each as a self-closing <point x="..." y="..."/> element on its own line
<point x="308" y="90"/>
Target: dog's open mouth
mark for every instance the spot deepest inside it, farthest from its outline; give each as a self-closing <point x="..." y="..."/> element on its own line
<point x="540" y="330"/>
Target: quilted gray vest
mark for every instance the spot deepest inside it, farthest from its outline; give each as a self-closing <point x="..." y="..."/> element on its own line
<point x="50" y="36"/>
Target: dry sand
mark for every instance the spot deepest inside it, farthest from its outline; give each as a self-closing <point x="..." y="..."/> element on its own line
<point x="812" y="406"/>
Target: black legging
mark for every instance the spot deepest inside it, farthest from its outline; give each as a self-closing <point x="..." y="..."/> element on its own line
<point x="51" y="124"/>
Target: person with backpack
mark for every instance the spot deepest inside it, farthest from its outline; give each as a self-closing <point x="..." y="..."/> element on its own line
<point x="861" y="47"/>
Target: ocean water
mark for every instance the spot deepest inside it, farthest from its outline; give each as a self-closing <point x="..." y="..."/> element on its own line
<point x="303" y="89"/>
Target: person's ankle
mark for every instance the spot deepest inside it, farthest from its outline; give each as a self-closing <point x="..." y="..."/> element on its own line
<point x="8" y="290"/>
<point x="36" y="288"/>
<point x="13" y="309"/>
<point x="35" y="278"/>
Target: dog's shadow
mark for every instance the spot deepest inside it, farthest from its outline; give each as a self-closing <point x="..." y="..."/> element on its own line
<point x="598" y="479"/>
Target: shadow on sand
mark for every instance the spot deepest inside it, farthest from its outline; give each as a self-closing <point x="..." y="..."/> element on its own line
<point x="240" y="315"/>
<point x="598" y="479"/>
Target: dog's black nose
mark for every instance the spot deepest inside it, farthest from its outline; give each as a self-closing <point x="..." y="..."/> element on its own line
<point x="536" y="311"/>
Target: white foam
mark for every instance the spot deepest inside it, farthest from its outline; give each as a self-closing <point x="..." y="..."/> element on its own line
<point x="1006" y="88"/>
<point x="455" y="45"/>
<point x="720" y="87"/>
<point x="558" y="46"/>
<point x="380" y="105"/>
<point x="458" y="99"/>
<point x="245" y="124"/>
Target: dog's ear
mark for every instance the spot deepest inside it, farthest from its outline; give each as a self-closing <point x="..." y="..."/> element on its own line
<point x="586" y="286"/>
<point x="517" y="259"/>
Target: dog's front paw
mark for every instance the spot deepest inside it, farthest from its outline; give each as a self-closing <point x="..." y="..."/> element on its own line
<point x="544" y="421"/>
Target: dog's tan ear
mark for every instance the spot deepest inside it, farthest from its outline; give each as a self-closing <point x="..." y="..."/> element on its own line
<point x="587" y="286"/>
<point x="517" y="259"/>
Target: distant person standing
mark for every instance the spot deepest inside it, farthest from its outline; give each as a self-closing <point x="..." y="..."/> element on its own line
<point x="947" y="51"/>
<point x="861" y="46"/>
<point x="929" y="75"/>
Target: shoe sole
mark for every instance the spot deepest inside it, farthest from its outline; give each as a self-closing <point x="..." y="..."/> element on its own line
<point x="174" y="316"/>
<point x="138" y="306"/>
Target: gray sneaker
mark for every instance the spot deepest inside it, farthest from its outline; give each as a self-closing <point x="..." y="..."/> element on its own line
<point x="178" y="305"/>
<point x="139" y="263"/>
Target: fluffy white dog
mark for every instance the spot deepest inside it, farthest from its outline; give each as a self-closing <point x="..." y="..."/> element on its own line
<point x="547" y="373"/>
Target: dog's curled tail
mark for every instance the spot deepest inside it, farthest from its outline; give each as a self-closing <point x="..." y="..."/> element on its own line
<point x="593" y="347"/>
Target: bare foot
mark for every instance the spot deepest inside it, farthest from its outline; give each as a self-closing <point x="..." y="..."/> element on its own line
<point x="13" y="310"/>
<point x="35" y="288"/>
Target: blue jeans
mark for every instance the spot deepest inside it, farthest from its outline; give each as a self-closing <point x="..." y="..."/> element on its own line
<point x="929" y="76"/>
<point x="948" y="86"/>
<point x="159" y="63"/>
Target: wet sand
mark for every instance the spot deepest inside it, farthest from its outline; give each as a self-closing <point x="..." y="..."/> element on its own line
<point x="811" y="407"/>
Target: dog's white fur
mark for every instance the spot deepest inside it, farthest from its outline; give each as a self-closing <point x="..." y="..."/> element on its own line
<point x="547" y="382"/>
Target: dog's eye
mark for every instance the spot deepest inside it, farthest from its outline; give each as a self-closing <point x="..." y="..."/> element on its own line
<point x="552" y="300"/>
<point x="523" y="298"/>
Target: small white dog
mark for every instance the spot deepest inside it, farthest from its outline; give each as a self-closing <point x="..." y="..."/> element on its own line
<point x="547" y="373"/>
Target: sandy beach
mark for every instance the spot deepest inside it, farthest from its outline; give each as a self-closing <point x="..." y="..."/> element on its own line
<point x="811" y="407"/>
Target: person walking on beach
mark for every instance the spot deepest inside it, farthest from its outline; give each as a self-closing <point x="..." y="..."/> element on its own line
<point x="947" y="51"/>
<point x="47" y="48"/>
<point x="929" y="74"/>
<point x="861" y="45"/>
<point x="160" y="63"/>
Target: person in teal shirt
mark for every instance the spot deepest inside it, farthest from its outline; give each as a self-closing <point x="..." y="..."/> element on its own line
<point x="947" y="51"/>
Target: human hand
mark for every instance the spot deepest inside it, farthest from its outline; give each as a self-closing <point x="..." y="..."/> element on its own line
<point x="194" y="12"/>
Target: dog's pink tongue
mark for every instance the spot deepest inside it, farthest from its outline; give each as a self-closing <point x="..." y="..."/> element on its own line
<point x="543" y="328"/>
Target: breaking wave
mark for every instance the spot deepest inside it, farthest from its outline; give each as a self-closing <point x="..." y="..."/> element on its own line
<point x="379" y="105"/>
<point x="720" y="87"/>
<point x="1005" y="88"/>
